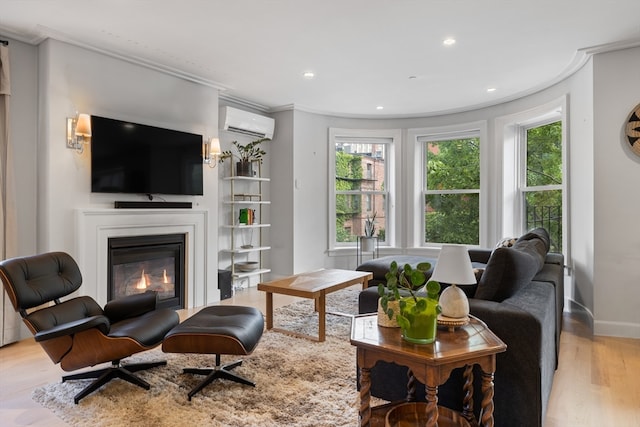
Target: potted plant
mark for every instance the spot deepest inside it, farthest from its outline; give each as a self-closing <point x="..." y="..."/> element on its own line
<point x="416" y="315"/>
<point x="368" y="241"/>
<point x="246" y="155"/>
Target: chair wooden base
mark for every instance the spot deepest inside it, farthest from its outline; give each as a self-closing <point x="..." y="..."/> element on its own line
<point x="219" y="371"/>
<point x="105" y="375"/>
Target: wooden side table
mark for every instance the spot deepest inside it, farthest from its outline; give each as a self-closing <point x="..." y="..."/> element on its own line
<point x="431" y="364"/>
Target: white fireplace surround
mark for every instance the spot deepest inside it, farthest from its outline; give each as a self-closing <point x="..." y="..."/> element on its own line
<point x="95" y="226"/>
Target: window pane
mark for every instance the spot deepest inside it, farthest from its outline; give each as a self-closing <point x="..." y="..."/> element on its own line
<point x="452" y="218"/>
<point x="351" y="214"/>
<point x="453" y="164"/>
<point x="544" y="155"/>
<point x="544" y="209"/>
<point x="360" y="167"/>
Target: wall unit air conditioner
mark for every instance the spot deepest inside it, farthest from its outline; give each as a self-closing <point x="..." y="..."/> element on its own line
<point x="244" y="122"/>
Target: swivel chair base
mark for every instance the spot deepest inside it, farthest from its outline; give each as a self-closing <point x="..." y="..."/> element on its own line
<point x="105" y="375"/>
<point x="218" y="329"/>
<point x="219" y="371"/>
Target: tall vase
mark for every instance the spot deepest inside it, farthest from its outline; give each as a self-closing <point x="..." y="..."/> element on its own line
<point x="368" y="243"/>
<point x="418" y="320"/>
<point x="244" y="168"/>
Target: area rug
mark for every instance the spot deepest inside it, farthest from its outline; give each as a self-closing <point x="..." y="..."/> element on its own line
<point x="299" y="382"/>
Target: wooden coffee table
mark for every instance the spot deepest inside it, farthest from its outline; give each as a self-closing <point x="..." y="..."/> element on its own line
<point x="314" y="285"/>
<point x="431" y="364"/>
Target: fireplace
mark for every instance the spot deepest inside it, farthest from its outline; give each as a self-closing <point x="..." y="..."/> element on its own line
<point x="138" y="264"/>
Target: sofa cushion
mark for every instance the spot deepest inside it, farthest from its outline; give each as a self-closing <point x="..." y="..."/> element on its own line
<point x="508" y="271"/>
<point x="537" y="233"/>
<point x="536" y="248"/>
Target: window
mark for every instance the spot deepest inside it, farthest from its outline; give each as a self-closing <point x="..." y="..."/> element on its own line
<point x="361" y="175"/>
<point x="534" y="170"/>
<point x="541" y="179"/>
<point x="451" y="188"/>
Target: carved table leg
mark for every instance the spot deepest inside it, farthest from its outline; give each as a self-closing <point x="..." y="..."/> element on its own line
<point x="432" y="406"/>
<point x="365" y="397"/>
<point x="411" y="386"/>
<point x="467" y="402"/>
<point x="486" y="415"/>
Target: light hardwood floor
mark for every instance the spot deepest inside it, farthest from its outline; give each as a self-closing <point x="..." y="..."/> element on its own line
<point x="595" y="385"/>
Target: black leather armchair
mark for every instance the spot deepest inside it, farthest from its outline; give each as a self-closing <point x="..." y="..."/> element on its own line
<point x="78" y="333"/>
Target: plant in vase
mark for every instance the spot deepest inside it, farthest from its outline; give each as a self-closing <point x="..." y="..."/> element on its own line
<point x="368" y="241"/>
<point x="246" y="155"/>
<point x="416" y="315"/>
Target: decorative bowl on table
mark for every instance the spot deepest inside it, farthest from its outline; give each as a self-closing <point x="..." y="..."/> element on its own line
<point x="247" y="266"/>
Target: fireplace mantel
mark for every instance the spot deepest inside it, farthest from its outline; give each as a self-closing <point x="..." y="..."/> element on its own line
<point x="95" y="226"/>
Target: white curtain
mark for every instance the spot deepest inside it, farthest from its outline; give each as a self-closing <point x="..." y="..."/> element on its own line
<point x="9" y="326"/>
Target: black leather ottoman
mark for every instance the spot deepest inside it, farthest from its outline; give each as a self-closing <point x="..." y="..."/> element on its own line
<point x="223" y="329"/>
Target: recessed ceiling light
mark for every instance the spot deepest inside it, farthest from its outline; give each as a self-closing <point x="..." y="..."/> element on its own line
<point x="379" y="107"/>
<point x="491" y="89"/>
<point x="309" y="74"/>
<point x="449" y="41"/>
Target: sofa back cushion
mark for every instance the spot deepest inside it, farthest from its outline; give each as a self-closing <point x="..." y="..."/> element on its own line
<point x="537" y="234"/>
<point x="510" y="269"/>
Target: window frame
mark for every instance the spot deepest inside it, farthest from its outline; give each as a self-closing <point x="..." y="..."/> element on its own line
<point x="419" y="137"/>
<point x="392" y="137"/>
<point x="511" y="137"/>
<point x="522" y="186"/>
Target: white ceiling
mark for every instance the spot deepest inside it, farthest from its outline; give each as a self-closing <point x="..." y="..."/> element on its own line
<point x="363" y="52"/>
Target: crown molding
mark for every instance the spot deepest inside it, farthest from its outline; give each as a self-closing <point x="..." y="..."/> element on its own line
<point x="43" y="33"/>
<point x="611" y="47"/>
<point x="225" y="96"/>
<point x="32" y="39"/>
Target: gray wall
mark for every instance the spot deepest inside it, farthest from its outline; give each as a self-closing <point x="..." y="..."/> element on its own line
<point x="23" y="132"/>
<point x="617" y="195"/>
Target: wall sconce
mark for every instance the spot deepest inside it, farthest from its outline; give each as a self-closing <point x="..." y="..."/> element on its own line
<point x="78" y="132"/>
<point x="211" y="152"/>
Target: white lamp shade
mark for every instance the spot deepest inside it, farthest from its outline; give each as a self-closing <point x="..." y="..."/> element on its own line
<point x="215" y="146"/>
<point x="454" y="266"/>
<point x="83" y="125"/>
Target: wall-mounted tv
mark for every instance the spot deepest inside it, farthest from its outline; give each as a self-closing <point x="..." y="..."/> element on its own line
<point x="133" y="158"/>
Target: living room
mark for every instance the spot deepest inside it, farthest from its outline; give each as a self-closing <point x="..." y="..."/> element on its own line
<point x="53" y="79"/>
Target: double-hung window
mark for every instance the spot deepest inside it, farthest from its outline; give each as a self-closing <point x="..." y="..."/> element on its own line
<point x="361" y="175"/>
<point x="534" y="168"/>
<point x="451" y="187"/>
<point x="541" y="182"/>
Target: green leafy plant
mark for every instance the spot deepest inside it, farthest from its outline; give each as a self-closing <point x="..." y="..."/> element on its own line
<point x="246" y="153"/>
<point x="411" y="280"/>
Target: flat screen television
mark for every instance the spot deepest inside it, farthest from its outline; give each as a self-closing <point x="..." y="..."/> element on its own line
<point x="133" y="158"/>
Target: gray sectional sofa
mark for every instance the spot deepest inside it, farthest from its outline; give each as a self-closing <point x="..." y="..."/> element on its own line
<point x="520" y="296"/>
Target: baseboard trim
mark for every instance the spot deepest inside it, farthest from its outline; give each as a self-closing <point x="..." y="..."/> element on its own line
<point x="617" y="329"/>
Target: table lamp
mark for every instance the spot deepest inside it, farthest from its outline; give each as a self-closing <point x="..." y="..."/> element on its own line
<point x="454" y="267"/>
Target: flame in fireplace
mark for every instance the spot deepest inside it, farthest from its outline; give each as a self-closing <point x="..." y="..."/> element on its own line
<point x="165" y="279"/>
<point x="142" y="283"/>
